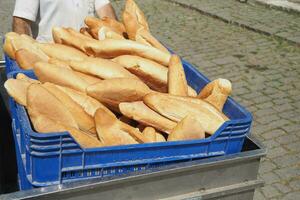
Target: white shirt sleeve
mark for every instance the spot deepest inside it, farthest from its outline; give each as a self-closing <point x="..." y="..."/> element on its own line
<point x="100" y="3"/>
<point x="26" y="9"/>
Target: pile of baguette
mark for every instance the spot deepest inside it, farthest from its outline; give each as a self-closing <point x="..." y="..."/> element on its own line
<point x="112" y="83"/>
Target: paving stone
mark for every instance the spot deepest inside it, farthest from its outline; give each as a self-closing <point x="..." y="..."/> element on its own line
<point x="286" y="139"/>
<point x="288" y="173"/>
<point x="276" y="152"/>
<point x="270" y="177"/>
<point x="266" y="166"/>
<point x="269" y="191"/>
<point x="295" y="184"/>
<point x="281" y="187"/>
<point x="291" y="196"/>
<point x="273" y="134"/>
<point x="286" y="160"/>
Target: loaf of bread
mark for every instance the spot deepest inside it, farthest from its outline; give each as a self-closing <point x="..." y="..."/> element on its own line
<point x="143" y="114"/>
<point x="151" y="134"/>
<point x="106" y="33"/>
<point x="216" y="92"/>
<point x="111" y="131"/>
<point x="133" y="19"/>
<point x="150" y="72"/>
<point x="145" y="37"/>
<point x="47" y="72"/>
<point x="176" y="108"/>
<point x="7" y="46"/>
<point x="61" y="52"/>
<point x="43" y="124"/>
<point x="17" y="89"/>
<point x="189" y="128"/>
<point x="101" y="68"/>
<point x="93" y="22"/>
<point x="89" y="104"/>
<point x="85" y="122"/>
<point x="21" y="76"/>
<point x="27" y="59"/>
<point x="115" y="91"/>
<point x="41" y="102"/>
<point x="110" y="48"/>
<point x="177" y="84"/>
<point x="86" y="31"/>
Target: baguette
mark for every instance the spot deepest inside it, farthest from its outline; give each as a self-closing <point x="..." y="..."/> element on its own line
<point x="86" y="31"/>
<point x="110" y="48"/>
<point x="111" y="131"/>
<point x="7" y="46"/>
<point x="30" y="46"/>
<point x="143" y="114"/>
<point x="41" y="102"/>
<point x="106" y="33"/>
<point x="17" y="89"/>
<point x="93" y="22"/>
<point x="160" y="137"/>
<point x="115" y="91"/>
<point x="87" y="78"/>
<point x="143" y="36"/>
<point x="133" y="19"/>
<point x="102" y="68"/>
<point x="61" y="52"/>
<point x="85" y="122"/>
<point x="176" y="108"/>
<point x="26" y="59"/>
<point x="46" y="72"/>
<point x="152" y="135"/>
<point x="43" y="124"/>
<point x="177" y="84"/>
<point x="21" y="76"/>
<point x="150" y="72"/>
<point x="189" y="128"/>
<point x="89" y="104"/>
<point x="216" y="92"/>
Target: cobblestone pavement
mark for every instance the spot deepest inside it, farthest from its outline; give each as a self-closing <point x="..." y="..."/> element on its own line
<point x="252" y="15"/>
<point x="264" y="71"/>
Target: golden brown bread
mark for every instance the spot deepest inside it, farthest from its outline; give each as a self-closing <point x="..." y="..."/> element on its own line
<point x="110" y="48"/>
<point x="114" y="91"/>
<point x="26" y="59"/>
<point x="78" y="34"/>
<point x="143" y="114"/>
<point x="89" y="104"/>
<point x="43" y="124"/>
<point x="65" y="64"/>
<point x="61" y="52"/>
<point x="150" y="72"/>
<point x="177" y="107"/>
<point x="7" y="46"/>
<point x="96" y="23"/>
<point x="216" y="92"/>
<point x="41" y="102"/>
<point x="152" y="135"/>
<point x="111" y="131"/>
<point x="189" y="128"/>
<point x="47" y="72"/>
<point x="86" y="31"/>
<point x="106" y="33"/>
<point x="17" y="89"/>
<point x="85" y="122"/>
<point x="145" y="37"/>
<point x="21" y="76"/>
<point x="102" y="68"/>
<point x="133" y="19"/>
<point x="177" y="84"/>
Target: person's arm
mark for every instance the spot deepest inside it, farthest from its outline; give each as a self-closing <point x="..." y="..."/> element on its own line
<point x="24" y="14"/>
<point x="105" y="9"/>
<point x="21" y="26"/>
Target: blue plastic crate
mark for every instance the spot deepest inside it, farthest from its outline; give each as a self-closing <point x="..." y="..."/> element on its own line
<point x="10" y="65"/>
<point x="55" y="158"/>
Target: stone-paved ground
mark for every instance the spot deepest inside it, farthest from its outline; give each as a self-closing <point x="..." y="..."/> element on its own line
<point x="265" y="73"/>
<point x="272" y="21"/>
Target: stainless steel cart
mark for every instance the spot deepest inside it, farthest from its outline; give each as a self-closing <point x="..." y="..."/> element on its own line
<point x="225" y="177"/>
